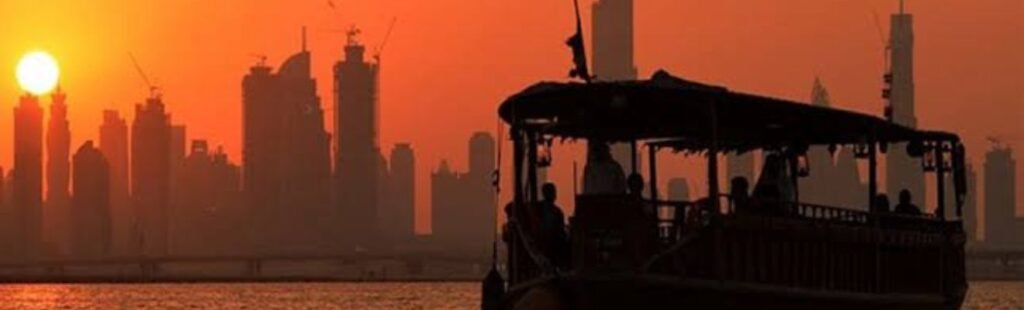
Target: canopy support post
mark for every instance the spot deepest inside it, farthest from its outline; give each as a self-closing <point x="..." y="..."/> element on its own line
<point x="531" y="172"/>
<point x="652" y="152"/>
<point x="872" y="175"/>
<point x="514" y="244"/>
<point x="713" y="190"/>
<point x="940" y="181"/>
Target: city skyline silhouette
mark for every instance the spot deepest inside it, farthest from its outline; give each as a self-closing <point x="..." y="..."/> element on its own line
<point x="198" y="104"/>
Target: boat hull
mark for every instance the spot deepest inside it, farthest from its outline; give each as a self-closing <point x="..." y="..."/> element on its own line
<point x="660" y="292"/>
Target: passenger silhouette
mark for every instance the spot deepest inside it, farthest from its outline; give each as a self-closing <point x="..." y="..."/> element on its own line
<point x="739" y="194"/>
<point x="881" y="204"/>
<point x="636" y="185"/>
<point x="555" y="240"/>
<point x="906" y="206"/>
<point x="774" y="190"/>
<point x="602" y="174"/>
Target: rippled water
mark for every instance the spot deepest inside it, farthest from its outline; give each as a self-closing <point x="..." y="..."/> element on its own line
<point x="984" y="295"/>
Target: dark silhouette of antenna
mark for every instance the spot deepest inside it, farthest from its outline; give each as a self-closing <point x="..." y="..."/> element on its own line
<point x="154" y="91"/>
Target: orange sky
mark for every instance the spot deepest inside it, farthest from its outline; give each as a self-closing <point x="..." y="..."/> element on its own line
<point x="454" y="60"/>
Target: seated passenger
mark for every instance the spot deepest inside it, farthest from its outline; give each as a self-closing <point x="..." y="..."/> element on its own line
<point x="635" y="182"/>
<point x="739" y="194"/>
<point x="881" y="204"/>
<point x="774" y="191"/>
<point x="602" y="174"/>
<point x="906" y="206"/>
<point x="553" y="236"/>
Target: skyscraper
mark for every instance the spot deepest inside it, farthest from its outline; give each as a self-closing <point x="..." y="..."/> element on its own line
<point x="91" y="223"/>
<point x="970" y="208"/>
<point x="114" y="145"/>
<point x="286" y="158"/>
<point x="612" y="49"/>
<point x="1000" y="197"/>
<point x="678" y="189"/>
<point x="207" y="221"/>
<point x="456" y="197"/>
<point x="358" y="155"/>
<point x="28" y="176"/>
<point x="397" y="214"/>
<point x="902" y="171"/>
<point x="58" y="147"/>
<point x="834" y="179"/>
<point x="150" y="174"/>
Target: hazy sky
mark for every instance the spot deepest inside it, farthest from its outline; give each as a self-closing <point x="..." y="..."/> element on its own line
<point x="455" y="60"/>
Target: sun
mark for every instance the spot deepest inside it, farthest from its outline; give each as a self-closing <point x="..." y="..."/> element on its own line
<point x="38" y="72"/>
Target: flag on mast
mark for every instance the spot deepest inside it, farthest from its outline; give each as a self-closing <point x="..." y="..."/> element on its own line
<point x="579" y="52"/>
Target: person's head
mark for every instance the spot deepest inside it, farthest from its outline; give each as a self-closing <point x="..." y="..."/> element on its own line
<point x="739" y="187"/>
<point x="599" y="150"/>
<point x="635" y="182"/>
<point x="882" y="202"/>
<point x="549" y="192"/>
<point x="904" y="197"/>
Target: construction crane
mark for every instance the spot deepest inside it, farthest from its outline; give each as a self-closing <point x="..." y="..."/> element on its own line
<point x="384" y="43"/>
<point x="261" y="60"/>
<point x="154" y="91"/>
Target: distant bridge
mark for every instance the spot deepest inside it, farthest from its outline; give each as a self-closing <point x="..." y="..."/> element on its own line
<point x="150" y="266"/>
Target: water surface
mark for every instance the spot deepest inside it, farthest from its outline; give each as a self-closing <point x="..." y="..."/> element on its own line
<point x="424" y="295"/>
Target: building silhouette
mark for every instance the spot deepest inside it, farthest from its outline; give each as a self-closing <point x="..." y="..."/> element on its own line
<point x="58" y="200"/>
<point x="678" y="189"/>
<point x="286" y="159"/>
<point x="970" y="208"/>
<point x="28" y="176"/>
<point x="207" y="220"/>
<point x="834" y="179"/>
<point x="1001" y="223"/>
<point x="357" y="158"/>
<point x="150" y="174"/>
<point x="398" y="212"/>
<point x="113" y="140"/>
<point x="613" y="54"/>
<point x="902" y="171"/>
<point x="463" y="205"/>
<point x="91" y="221"/>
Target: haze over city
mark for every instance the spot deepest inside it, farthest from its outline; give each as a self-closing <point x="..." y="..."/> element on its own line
<point x="458" y="59"/>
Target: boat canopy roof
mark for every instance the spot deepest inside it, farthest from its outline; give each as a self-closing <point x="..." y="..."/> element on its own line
<point x="673" y="112"/>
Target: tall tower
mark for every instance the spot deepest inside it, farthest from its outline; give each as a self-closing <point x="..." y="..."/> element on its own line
<point x="91" y="222"/>
<point x="150" y="174"/>
<point x="28" y="176"/>
<point x="286" y="158"/>
<point x="398" y="214"/>
<point x="482" y="202"/>
<point x="358" y="155"/>
<point x="1000" y="197"/>
<point x="58" y="146"/>
<point x="834" y="179"/>
<point x="114" y="145"/>
<point x="902" y="171"/>
<point x="612" y="48"/>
